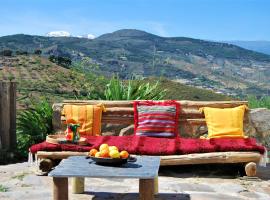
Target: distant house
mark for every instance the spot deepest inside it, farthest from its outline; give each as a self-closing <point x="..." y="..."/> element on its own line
<point x="124" y="58"/>
<point x="219" y="92"/>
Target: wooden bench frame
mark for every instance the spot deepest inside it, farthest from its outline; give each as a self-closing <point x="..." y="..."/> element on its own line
<point x="191" y="121"/>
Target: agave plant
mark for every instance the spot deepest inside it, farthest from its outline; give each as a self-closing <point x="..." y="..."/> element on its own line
<point x="263" y="102"/>
<point x="134" y="90"/>
<point x="33" y="125"/>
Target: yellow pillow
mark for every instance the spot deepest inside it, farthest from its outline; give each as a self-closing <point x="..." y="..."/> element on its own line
<point x="225" y="122"/>
<point x="88" y="116"/>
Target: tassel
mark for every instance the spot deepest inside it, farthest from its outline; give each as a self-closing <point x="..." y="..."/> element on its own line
<point x="36" y="161"/>
<point x="264" y="159"/>
<point x="30" y="158"/>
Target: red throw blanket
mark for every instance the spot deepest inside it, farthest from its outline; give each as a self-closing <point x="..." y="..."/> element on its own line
<point x="141" y="145"/>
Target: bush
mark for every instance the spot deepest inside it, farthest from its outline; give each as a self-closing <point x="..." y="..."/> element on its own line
<point x="52" y="58"/>
<point x="38" y="52"/>
<point x="6" y="52"/>
<point x="133" y="90"/>
<point x="263" y="102"/>
<point x="19" y="52"/>
<point x="62" y="61"/>
<point x="33" y="125"/>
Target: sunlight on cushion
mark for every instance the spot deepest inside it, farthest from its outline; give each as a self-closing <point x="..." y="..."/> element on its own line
<point x="88" y="116"/>
<point x="226" y="122"/>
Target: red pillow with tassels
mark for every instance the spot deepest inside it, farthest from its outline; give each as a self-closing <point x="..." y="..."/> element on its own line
<point x="156" y="118"/>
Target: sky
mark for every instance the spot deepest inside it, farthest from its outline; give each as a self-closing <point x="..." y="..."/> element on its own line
<point x="204" y="19"/>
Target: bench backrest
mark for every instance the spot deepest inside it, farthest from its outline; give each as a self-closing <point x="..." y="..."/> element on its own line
<point x="191" y="121"/>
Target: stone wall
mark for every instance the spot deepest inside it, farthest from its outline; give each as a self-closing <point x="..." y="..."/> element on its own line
<point x="259" y="126"/>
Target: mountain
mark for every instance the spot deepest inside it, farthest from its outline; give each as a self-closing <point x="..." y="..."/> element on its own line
<point x="259" y="46"/>
<point x="221" y="67"/>
<point x="37" y="76"/>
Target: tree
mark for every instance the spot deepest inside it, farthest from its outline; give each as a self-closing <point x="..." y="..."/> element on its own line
<point x="52" y="58"/>
<point x="20" y="52"/>
<point x="64" y="61"/>
<point x="85" y="65"/>
<point x="38" y="52"/>
<point x="60" y="60"/>
<point x="6" y="52"/>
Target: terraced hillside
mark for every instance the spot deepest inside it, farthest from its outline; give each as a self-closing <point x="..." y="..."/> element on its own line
<point x="221" y="67"/>
<point x="37" y="76"/>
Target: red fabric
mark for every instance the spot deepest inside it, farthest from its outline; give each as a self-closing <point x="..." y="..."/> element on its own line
<point x="157" y="146"/>
<point x="151" y="129"/>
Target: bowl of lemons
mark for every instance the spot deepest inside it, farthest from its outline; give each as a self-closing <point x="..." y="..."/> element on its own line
<point x="110" y="155"/>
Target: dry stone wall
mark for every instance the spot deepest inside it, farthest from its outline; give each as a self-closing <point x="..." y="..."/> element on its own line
<point x="260" y="125"/>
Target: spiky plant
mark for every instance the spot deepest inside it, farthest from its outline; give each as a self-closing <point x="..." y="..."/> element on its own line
<point x="133" y="90"/>
<point x="263" y="102"/>
<point x="33" y="125"/>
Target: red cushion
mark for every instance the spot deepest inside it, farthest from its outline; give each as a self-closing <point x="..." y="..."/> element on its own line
<point x="156" y="118"/>
<point x="141" y="145"/>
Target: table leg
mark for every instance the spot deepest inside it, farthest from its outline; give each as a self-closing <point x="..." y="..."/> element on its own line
<point x="146" y="188"/>
<point x="60" y="188"/>
<point x="156" y="185"/>
<point x="77" y="185"/>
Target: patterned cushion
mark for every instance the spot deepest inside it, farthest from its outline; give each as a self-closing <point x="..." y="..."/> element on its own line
<point x="156" y="118"/>
<point x="88" y="116"/>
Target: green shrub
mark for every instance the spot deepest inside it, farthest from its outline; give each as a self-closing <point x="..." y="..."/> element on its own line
<point x="33" y="125"/>
<point x="133" y="90"/>
<point x="20" y="52"/>
<point x="3" y="188"/>
<point x="60" y="60"/>
<point x="38" y="52"/>
<point x="6" y="52"/>
<point x="263" y="102"/>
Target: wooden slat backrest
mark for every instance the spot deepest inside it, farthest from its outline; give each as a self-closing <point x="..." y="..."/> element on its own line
<point x="191" y="121"/>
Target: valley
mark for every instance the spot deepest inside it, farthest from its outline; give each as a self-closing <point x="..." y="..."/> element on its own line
<point x="133" y="54"/>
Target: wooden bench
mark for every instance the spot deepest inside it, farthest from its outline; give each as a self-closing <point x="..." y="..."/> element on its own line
<point x="192" y="124"/>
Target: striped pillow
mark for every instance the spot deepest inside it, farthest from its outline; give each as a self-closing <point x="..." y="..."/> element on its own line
<point x="156" y="118"/>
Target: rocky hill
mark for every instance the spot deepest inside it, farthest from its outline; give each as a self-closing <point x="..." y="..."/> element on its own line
<point x="37" y="76"/>
<point x="224" y="68"/>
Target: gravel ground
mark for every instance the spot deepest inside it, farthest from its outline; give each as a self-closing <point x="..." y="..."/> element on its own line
<point x="211" y="182"/>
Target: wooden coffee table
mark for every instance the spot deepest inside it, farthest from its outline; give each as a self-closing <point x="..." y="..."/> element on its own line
<point x="145" y="169"/>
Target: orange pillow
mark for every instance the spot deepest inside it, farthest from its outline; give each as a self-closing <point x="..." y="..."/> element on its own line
<point x="88" y="116"/>
<point x="225" y="122"/>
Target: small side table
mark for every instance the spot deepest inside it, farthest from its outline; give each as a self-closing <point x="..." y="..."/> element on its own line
<point x="145" y="169"/>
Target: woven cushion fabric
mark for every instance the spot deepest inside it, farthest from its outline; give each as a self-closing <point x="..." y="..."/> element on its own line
<point x="156" y="118"/>
<point x="88" y="116"/>
<point x="163" y="146"/>
<point x="225" y="122"/>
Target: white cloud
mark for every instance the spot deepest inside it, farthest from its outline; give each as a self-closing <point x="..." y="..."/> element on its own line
<point x="67" y="34"/>
<point x="90" y="36"/>
<point x="58" y="34"/>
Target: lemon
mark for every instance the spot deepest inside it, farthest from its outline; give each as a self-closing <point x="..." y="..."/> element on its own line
<point x="113" y="148"/>
<point x="103" y="147"/>
<point x="98" y="154"/>
<point x="114" y="154"/>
